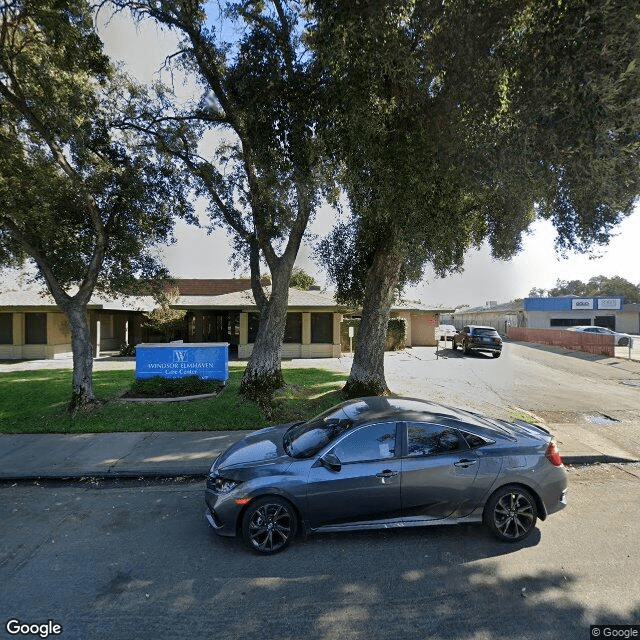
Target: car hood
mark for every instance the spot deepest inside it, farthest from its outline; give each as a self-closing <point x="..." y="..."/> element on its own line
<point x="260" y="448"/>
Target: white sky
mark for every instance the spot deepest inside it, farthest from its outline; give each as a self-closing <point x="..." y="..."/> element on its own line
<point x="197" y="255"/>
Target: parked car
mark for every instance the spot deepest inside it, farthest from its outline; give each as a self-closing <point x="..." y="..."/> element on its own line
<point x="621" y="339"/>
<point x="445" y="332"/>
<point x="476" y="338"/>
<point x="382" y="463"/>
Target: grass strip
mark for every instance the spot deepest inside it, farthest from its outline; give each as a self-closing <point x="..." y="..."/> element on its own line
<point x="35" y="402"/>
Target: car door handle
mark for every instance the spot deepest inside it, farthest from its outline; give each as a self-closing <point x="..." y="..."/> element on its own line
<point x="387" y="473"/>
<point x="464" y="463"/>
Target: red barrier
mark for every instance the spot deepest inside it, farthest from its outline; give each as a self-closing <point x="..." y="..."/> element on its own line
<point x="576" y="340"/>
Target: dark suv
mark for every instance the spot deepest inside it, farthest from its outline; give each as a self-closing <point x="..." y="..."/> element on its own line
<point x="474" y="338"/>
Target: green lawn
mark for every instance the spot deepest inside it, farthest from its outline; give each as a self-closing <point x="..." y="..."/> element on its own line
<point x="35" y="401"/>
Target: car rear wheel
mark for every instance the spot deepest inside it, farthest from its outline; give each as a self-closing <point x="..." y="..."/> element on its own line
<point x="623" y="342"/>
<point x="268" y="525"/>
<point x="511" y="513"/>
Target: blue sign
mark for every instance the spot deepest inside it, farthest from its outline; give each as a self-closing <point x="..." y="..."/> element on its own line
<point x="207" y="360"/>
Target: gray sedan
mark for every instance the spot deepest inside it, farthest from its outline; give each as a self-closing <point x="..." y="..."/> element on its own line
<point x="385" y="462"/>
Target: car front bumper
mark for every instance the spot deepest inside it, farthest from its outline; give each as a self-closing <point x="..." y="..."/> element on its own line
<point x="222" y="512"/>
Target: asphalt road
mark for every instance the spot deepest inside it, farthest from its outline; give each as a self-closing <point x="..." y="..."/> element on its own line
<point x="558" y="388"/>
<point x="123" y="561"/>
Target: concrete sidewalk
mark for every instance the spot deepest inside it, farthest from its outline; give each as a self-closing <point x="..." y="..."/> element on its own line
<point x="190" y="454"/>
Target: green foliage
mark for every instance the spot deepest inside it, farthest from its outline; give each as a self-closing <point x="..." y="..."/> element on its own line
<point x="396" y="334"/>
<point x="596" y="286"/>
<point x="262" y="99"/>
<point x="163" y="319"/>
<point x="34" y="401"/>
<point x="77" y="196"/>
<point x="456" y="125"/>
<point x="173" y="387"/>
<point x="301" y="280"/>
<point x="127" y="351"/>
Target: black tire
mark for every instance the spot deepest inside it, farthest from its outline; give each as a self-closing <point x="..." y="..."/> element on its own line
<point x="268" y="525"/>
<point x="496" y="354"/>
<point x="511" y="513"/>
<point x="623" y="342"/>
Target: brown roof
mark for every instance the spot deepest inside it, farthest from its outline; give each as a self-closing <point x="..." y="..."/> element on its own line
<point x="221" y="286"/>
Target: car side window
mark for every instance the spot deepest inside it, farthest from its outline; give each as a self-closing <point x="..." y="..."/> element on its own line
<point x="372" y="442"/>
<point x="425" y="439"/>
<point x="474" y="441"/>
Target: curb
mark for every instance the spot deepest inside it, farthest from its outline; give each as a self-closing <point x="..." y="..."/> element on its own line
<point x="104" y="475"/>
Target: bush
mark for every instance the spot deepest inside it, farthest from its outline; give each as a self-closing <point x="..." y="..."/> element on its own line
<point x="396" y="333"/>
<point x="173" y="387"/>
<point x="127" y="351"/>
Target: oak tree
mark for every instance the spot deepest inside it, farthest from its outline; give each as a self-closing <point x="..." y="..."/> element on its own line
<point x="78" y="197"/>
<point x="460" y="122"/>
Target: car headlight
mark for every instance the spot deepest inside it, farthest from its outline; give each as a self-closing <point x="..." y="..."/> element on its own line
<point x="221" y="485"/>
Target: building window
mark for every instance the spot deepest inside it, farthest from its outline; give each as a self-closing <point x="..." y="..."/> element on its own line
<point x="6" y="328"/>
<point x="322" y="328"/>
<point x="35" y="328"/>
<point x="569" y="322"/>
<point x="293" y="328"/>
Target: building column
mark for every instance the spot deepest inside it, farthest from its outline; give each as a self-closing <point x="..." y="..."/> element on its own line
<point x="243" y="338"/>
<point x="98" y="336"/>
<point x="18" y="334"/>
<point x="18" y="329"/>
<point x="337" y="343"/>
<point x="305" y="345"/>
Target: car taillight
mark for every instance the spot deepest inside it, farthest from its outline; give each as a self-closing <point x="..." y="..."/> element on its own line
<point x="553" y="455"/>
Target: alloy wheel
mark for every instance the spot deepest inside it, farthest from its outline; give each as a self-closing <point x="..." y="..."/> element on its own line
<point x="511" y="513"/>
<point x="269" y="526"/>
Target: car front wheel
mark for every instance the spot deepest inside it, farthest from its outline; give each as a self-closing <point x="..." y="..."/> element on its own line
<point x="511" y="513"/>
<point x="496" y="354"/>
<point x="268" y="525"/>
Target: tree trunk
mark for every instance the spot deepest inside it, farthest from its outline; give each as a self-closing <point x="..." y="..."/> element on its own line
<point x="82" y="396"/>
<point x="263" y="374"/>
<point x="367" y="371"/>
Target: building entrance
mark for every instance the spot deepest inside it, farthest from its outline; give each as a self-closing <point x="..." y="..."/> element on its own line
<point x="609" y="322"/>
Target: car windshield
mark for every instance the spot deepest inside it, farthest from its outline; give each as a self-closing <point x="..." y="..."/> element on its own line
<point x="306" y="439"/>
<point x="481" y="331"/>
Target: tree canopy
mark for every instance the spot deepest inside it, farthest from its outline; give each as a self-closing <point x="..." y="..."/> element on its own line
<point x="78" y="195"/>
<point x="249" y="139"/>
<point x="596" y="286"/>
<point x="459" y="122"/>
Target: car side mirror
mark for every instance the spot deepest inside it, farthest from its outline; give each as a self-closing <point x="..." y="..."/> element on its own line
<point x="331" y="462"/>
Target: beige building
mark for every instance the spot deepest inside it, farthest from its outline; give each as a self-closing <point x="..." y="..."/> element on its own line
<point x="223" y="310"/>
<point x="312" y="330"/>
<point x="33" y="327"/>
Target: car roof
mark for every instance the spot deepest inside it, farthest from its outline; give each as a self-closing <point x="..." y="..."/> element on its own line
<point x="362" y="410"/>
<point x="480" y="326"/>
